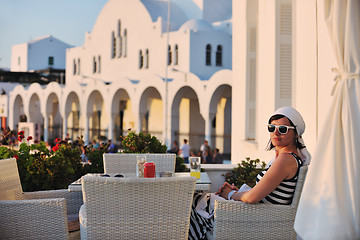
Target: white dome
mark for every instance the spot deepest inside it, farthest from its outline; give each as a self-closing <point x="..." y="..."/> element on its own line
<point x="196" y="25"/>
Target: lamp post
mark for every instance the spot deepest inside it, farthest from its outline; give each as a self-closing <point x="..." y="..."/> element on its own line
<point x="166" y="140"/>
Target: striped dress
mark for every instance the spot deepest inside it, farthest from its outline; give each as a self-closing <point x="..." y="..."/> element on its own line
<point x="284" y="193"/>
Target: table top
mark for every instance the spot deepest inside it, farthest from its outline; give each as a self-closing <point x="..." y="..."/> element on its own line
<point x="202" y="184"/>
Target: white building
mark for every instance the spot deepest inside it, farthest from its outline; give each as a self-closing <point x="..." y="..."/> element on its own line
<point x="38" y="54"/>
<point x="282" y="56"/>
<point x="230" y="65"/>
<point x="135" y="72"/>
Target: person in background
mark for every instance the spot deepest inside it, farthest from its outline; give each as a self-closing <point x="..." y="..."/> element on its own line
<point x="96" y="145"/>
<point x="112" y="148"/>
<point x="83" y="156"/>
<point x="185" y="151"/>
<point x="217" y="158"/>
<point x="175" y="149"/>
<point x="67" y="138"/>
<point x="205" y="152"/>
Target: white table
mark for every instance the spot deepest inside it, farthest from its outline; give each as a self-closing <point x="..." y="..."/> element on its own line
<point x="202" y="184"/>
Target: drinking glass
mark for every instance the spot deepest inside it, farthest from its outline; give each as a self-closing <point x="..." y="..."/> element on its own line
<point x="140" y="164"/>
<point x="195" y="167"/>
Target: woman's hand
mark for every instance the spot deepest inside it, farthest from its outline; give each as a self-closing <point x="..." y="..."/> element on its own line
<point x="225" y="192"/>
<point x="225" y="189"/>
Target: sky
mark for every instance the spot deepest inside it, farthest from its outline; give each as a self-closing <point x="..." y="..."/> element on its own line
<point x="24" y="20"/>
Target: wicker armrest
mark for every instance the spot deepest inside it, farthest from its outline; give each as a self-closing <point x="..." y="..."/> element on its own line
<point x="33" y="219"/>
<point x="252" y="221"/>
<point x="74" y="200"/>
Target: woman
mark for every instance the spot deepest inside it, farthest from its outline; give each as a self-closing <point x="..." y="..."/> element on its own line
<point x="276" y="184"/>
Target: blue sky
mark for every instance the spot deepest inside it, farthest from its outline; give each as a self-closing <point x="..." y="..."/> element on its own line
<point x="66" y="20"/>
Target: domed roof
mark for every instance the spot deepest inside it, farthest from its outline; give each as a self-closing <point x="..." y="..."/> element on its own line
<point x="159" y="8"/>
<point x="197" y="25"/>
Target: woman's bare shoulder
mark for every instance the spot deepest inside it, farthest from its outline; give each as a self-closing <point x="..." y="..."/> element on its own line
<point x="285" y="159"/>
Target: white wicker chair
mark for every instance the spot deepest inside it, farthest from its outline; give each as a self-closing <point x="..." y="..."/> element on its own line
<point x="136" y="208"/>
<point x="33" y="215"/>
<point x="238" y="220"/>
<point x="126" y="162"/>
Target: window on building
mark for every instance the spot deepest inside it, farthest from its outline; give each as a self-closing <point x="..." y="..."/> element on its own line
<point x="78" y="66"/>
<point x="94" y="65"/>
<point x="23" y="118"/>
<point x="208" y="55"/>
<point x="119" y="40"/>
<point x="119" y="28"/>
<point x="19" y="61"/>
<point x="169" y="55"/>
<point x="74" y="67"/>
<point x="147" y="58"/>
<point x="51" y="61"/>
<point x="120" y="46"/>
<point x="176" y="53"/>
<point x="219" y="56"/>
<point x="125" y="43"/>
<point x="99" y="63"/>
<point x="113" y="45"/>
<point x="141" y="59"/>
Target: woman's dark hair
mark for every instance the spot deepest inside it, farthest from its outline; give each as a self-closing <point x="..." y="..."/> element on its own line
<point x="279" y="116"/>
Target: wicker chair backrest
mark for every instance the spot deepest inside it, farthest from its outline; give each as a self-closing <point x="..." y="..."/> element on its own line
<point x="137" y="208"/>
<point x="126" y="162"/>
<point x="10" y="186"/>
<point x="299" y="185"/>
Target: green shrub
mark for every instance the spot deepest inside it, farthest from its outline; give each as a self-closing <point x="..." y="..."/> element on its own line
<point x="96" y="158"/>
<point x="145" y="143"/>
<point x="245" y="172"/>
<point x="180" y="166"/>
<point x="41" y="168"/>
<point x="44" y="169"/>
<point x="142" y="143"/>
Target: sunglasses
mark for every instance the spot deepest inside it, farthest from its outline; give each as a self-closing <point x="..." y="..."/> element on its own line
<point x="282" y="129"/>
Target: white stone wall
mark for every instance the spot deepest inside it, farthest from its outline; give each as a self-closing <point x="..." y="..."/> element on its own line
<point x="19" y="58"/>
<point x="311" y="71"/>
<point x="35" y="54"/>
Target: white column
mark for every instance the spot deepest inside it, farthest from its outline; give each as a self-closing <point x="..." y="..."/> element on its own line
<point x="86" y="129"/>
<point x="167" y="139"/>
<point x="139" y="121"/>
<point x="267" y="70"/>
<point x="239" y="59"/>
<point x="65" y="117"/>
<point x="111" y="126"/>
<point x="46" y="127"/>
<point x="174" y="126"/>
<point x="208" y="129"/>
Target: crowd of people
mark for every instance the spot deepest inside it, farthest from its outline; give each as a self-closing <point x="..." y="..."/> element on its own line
<point x="207" y="155"/>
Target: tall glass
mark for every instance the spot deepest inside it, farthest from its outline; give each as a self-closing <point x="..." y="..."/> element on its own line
<point x="140" y="164"/>
<point x="195" y="167"/>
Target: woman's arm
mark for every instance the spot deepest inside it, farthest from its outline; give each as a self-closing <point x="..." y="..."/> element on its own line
<point x="284" y="167"/>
